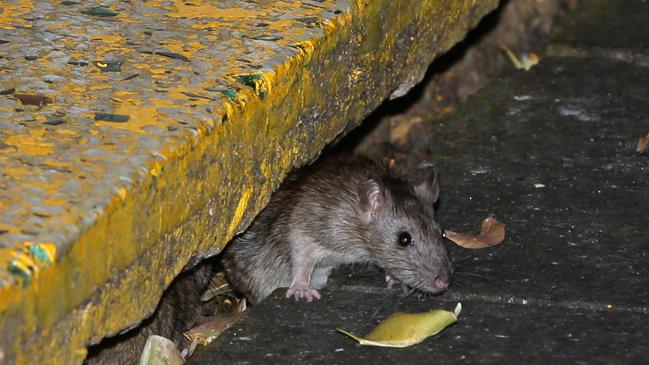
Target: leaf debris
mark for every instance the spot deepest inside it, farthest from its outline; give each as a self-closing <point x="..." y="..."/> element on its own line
<point x="407" y="329"/>
<point x="642" y="144"/>
<point x="492" y="233"/>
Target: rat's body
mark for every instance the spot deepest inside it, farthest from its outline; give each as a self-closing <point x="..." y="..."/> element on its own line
<point x="343" y="210"/>
<point x="178" y="310"/>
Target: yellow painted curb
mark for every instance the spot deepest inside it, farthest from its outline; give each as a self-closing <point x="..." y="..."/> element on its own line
<point x="137" y="138"/>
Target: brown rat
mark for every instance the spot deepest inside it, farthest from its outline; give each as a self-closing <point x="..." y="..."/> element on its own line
<point x="342" y="210"/>
<point x="179" y="308"/>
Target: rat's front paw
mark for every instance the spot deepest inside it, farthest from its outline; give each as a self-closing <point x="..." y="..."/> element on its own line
<point x="302" y="292"/>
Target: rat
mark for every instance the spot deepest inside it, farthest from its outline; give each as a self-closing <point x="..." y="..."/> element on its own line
<point x="179" y="309"/>
<point x="343" y="210"/>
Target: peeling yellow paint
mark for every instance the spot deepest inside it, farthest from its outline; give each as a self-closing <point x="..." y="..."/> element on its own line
<point x="140" y="115"/>
<point x="186" y="49"/>
<point x="121" y="192"/>
<point x="239" y="211"/>
<point x="55" y="201"/>
<point x="32" y="144"/>
<point x="109" y="38"/>
<point x="196" y="129"/>
<point x="66" y="132"/>
<point x="198" y="10"/>
<point x="28" y="260"/>
<point x="305" y="50"/>
<point x="11" y="11"/>
<point x="7" y="227"/>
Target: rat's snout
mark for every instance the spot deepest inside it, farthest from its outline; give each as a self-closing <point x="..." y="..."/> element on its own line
<point x="442" y="281"/>
<point x="436" y="280"/>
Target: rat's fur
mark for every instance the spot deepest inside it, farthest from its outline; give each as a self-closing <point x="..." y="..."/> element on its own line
<point x="343" y="210"/>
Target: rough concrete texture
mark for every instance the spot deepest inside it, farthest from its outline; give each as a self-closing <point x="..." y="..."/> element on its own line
<point x="551" y="152"/>
<point x="586" y="35"/>
<point x="281" y="331"/>
<point x="139" y="136"/>
<point x="522" y="25"/>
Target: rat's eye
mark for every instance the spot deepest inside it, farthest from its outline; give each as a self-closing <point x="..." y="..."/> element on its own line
<point x="405" y="239"/>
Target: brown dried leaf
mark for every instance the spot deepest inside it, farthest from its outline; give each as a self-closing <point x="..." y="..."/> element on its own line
<point x="218" y="285"/>
<point x="492" y="233"/>
<point x="159" y="350"/>
<point x="33" y="99"/>
<point x="642" y="144"/>
<point x="401" y="127"/>
<point x="206" y="332"/>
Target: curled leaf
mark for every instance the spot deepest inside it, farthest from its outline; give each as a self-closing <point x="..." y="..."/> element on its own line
<point x="206" y="332"/>
<point x="160" y="350"/>
<point x="642" y="144"/>
<point x="407" y="329"/>
<point x="218" y="285"/>
<point x="492" y="233"/>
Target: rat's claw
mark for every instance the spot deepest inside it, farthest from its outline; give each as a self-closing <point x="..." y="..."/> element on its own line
<point x="302" y="292"/>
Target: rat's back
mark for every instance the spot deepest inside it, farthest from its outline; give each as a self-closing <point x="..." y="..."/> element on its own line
<point x="320" y="200"/>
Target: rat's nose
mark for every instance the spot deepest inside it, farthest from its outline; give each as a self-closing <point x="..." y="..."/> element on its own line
<point x="441" y="281"/>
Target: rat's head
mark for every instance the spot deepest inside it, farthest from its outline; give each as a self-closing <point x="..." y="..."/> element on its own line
<point x="403" y="236"/>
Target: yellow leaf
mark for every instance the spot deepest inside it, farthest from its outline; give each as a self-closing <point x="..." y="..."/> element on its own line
<point x="407" y="329"/>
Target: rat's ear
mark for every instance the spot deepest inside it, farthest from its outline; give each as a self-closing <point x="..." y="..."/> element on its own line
<point x="372" y="197"/>
<point x="427" y="183"/>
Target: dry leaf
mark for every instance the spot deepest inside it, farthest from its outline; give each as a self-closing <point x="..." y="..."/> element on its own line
<point x="493" y="233"/>
<point x="407" y="329"/>
<point x="392" y="164"/>
<point x="401" y="127"/>
<point x="218" y="286"/>
<point x="33" y="99"/>
<point x="160" y="351"/>
<point x="206" y="332"/>
<point x="526" y="62"/>
<point x="642" y="144"/>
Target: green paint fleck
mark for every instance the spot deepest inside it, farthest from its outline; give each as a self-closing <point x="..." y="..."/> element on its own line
<point x="41" y="254"/>
<point x="225" y="92"/>
<point x="248" y="79"/>
<point x="251" y="80"/>
<point x="25" y="276"/>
